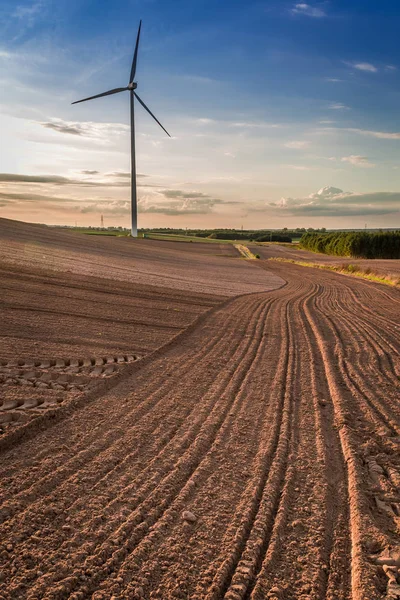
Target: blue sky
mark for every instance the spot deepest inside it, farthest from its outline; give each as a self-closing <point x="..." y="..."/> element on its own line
<point x="281" y="113"/>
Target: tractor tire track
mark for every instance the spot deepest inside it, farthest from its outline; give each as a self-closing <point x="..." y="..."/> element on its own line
<point x="275" y="422"/>
<point x="88" y="448"/>
<point x="165" y="478"/>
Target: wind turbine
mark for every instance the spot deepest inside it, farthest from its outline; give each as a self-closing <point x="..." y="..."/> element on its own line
<point x="131" y="87"/>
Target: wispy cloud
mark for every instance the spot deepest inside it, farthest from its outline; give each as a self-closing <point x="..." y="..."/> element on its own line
<point x="382" y="135"/>
<point x="308" y="10"/>
<point x="237" y="124"/>
<point x="62" y="128"/>
<point x="15" y="178"/>
<point x="363" y="66"/>
<point x="28" y="11"/>
<point x="204" y="121"/>
<point x="123" y="174"/>
<point x="114" y="174"/>
<point x="86" y="128"/>
<point x="254" y="125"/>
<point x="299" y="167"/>
<point x="358" y="161"/>
<point x="338" y="106"/>
<point x="26" y="16"/>
<point x="13" y="197"/>
<point x="56" y="179"/>
<point x="390" y="68"/>
<point x="297" y="145"/>
<point x="319" y="157"/>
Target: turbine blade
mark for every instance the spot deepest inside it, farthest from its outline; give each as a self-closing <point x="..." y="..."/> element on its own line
<point x="133" y="69"/>
<point x="115" y="91"/>
<point x="150" y="113"/>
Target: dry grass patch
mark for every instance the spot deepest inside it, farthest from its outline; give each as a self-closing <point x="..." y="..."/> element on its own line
<point x="347" y="269"/>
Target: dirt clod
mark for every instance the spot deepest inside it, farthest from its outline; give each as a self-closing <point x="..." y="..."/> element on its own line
<point x="189" y="516"/>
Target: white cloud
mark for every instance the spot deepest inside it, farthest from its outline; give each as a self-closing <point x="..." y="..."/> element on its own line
<point x="254" y="124"/>
<point x="299" y="167"/>
<point x="308" y="10"/>
<point x="390" y="68"/>
<point x="318" y="157"/>
<point x="297" y="145"/>
<point x="338" y="106"/>
<point x="358" y="161"/>
<point x="204" y="121"/>
<point x="333" y="79"/>
<point x="118" y="208"/>
<point x="363" y="66"/>
<point x="382" y="135"/>
<point x="230" y="154"/>
<point x="332" y="201"/>
<point x="178" y="202"/>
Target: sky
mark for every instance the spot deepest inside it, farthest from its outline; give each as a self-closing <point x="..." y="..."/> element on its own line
<point x="281" y="113"/>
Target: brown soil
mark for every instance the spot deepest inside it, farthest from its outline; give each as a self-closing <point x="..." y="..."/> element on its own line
<point x="58" y="315"/>
<point x="256" y="455"/>
<point x="174" y="265"/>
<point x="208" y="248"/>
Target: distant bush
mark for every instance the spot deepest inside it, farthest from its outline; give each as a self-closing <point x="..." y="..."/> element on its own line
<point x="273" y="238"/>
<point x="228" y="235"/>
<point x="385" y="244"/>
<point x="257" y="256"/>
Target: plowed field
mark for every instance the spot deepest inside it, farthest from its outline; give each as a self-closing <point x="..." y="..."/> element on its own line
<point x="255" y="455"/>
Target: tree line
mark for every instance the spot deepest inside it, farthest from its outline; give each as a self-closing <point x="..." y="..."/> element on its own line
<point x="384" y="244"/>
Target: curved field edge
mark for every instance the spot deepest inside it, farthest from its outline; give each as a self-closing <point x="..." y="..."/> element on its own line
<point x="353" y="270"/>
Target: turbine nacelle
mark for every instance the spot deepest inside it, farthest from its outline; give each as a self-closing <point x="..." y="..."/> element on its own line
<point x="132" y="86"/>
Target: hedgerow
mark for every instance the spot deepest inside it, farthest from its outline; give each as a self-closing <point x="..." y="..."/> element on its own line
<point x="273" y="238"/>
<point x="385" y="244"/>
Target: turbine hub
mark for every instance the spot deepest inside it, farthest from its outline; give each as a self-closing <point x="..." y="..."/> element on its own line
<point x="132" y="86"/>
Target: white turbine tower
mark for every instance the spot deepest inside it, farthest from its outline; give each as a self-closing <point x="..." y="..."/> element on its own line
<point x="131" y="87"/>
